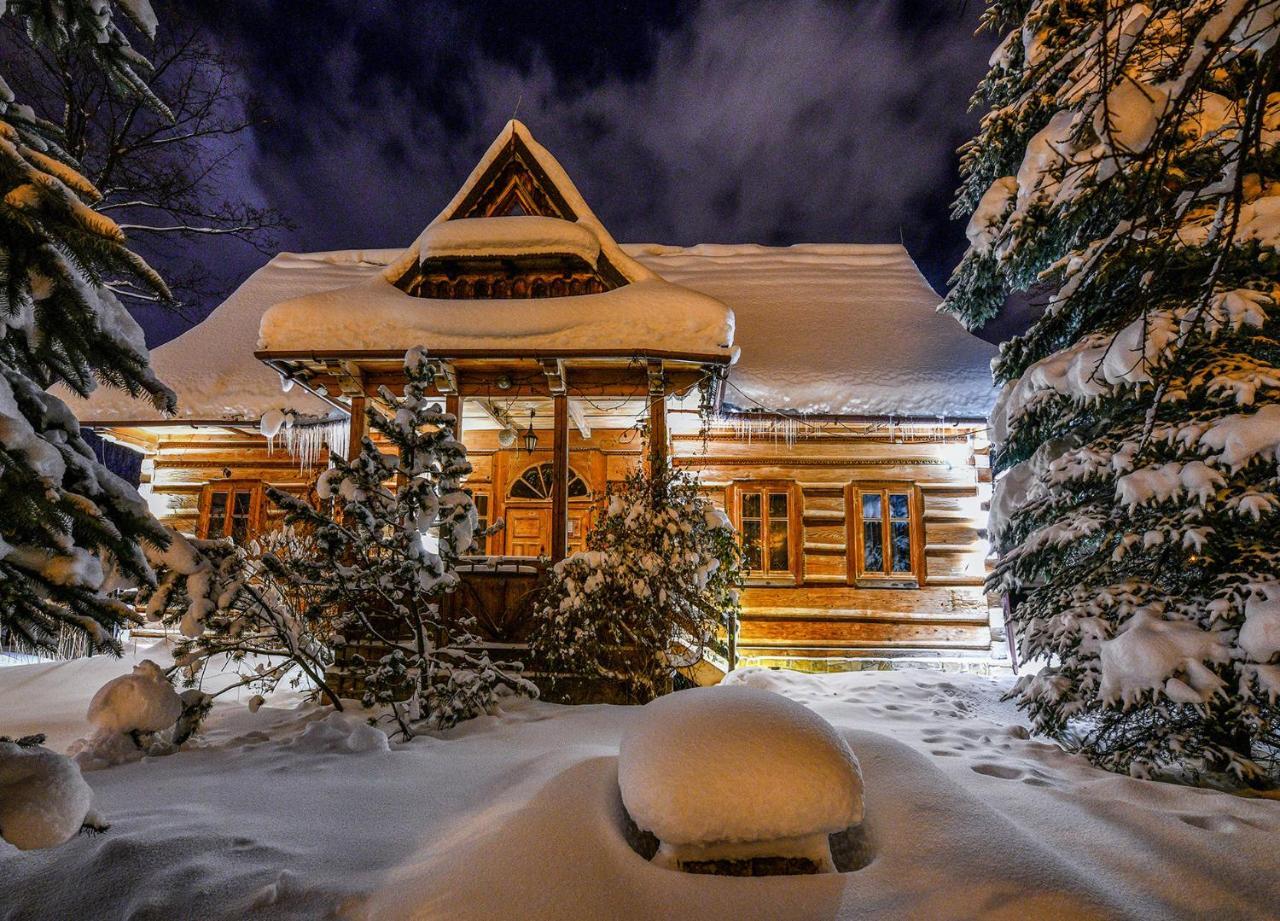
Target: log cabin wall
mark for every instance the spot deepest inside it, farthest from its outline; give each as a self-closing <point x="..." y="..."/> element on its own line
<point x="182" y="474"/>
<point x="819" y="612"/>
<point x="822" y="609"/>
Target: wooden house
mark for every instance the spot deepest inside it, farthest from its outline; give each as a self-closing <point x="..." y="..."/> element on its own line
<point x="814" y="389"/>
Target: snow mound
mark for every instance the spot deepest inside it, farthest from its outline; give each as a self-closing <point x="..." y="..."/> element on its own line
<point x="143" y="701"/>
<point x="524" y="234"/>
<point x="338" y="733"/>
<point x="43" y="799"/>
<point x="710" y="767"/>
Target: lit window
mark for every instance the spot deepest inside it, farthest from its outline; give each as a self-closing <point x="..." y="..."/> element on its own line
<point x="230" y="510"/>
<point x="764" y="522"/>
<point x="884" y="521"/>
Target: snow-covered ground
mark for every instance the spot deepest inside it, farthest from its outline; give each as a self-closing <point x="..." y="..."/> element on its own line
<point x="294" y="812"/>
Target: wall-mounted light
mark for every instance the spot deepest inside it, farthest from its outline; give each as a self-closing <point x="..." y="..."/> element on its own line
<point x="530" y="436"/>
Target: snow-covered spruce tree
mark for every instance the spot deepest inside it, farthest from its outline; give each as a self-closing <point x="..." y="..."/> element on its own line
<point x="656" y="586"/>
<point x="1128" y="171"/>
<point x="388" y="534"/>
<point x="67" y="524"/>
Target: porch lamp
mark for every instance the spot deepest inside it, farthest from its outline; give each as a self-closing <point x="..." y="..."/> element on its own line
<point x="530" y="437"/>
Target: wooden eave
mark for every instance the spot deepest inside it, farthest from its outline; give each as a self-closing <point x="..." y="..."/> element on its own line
<point x="491" y="373"/>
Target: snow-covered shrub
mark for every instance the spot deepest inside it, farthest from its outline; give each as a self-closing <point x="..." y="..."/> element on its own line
<point x="43" y="799"/>
<point x="267" y="624"/>
<point x="387" y="534"/>
<point x="657" y="585"/>
<point x="1128" y="171"/>
<point x="727" y="776"/>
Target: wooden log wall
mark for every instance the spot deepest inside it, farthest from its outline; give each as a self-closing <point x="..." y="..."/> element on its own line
<point x="820" y="614"/>
<point x="824" y="612"/>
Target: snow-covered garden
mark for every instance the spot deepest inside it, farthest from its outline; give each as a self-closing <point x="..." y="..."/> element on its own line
<point x="297" y="811"/>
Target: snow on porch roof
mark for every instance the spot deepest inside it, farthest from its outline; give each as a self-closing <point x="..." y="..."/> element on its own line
<point x="845" y="329"/>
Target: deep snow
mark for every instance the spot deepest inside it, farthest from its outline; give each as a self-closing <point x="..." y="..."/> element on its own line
<point x="294" y="812"/>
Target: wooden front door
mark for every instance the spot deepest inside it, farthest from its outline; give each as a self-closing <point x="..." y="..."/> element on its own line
<point x="529" y="529"/>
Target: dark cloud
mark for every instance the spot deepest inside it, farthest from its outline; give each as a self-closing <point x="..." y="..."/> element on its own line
<point x="774" y="122"/>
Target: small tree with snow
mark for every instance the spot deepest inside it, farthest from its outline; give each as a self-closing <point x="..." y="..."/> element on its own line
<point x="658" y="584"/>
<point x="1129" y="169"/>
<point x="388" y="533"/>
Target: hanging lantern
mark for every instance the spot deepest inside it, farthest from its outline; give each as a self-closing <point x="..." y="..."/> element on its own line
<point x="530" y="437"/>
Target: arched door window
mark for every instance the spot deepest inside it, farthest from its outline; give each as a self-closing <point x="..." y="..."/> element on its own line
<point x="535" y="483"/>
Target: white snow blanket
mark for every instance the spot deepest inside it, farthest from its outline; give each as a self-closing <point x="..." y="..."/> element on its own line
<point x="736" y="764"/>
<point x="519" y="815"/>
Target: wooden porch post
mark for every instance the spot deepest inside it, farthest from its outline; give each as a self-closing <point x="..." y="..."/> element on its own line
<point x="453" y="404"/>
<point x="560" y="479"/>
<point x="359" y="425"/>
<point x="657" y="418"/>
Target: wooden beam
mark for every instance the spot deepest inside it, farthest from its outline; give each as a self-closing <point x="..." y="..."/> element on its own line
<point x="453" y="405"/>
<point x="560" y="480"/>
<point x="554" y="370"/>
<point x="359" y="425"/>
<point x="497" y="413"/>
<point x="579" y="419"/>
<point x="657" y="454"/>
<point x="446" y="379"/>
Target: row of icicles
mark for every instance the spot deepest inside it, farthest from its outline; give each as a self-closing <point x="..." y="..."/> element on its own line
<point x="305" y="437"/>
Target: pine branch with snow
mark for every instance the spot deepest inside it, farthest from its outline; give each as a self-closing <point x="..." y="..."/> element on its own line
<point x="70" y="529"/>
<point x="657" y="585"/>
<point x="1128" y="165"/>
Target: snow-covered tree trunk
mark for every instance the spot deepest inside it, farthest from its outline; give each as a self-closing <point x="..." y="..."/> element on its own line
<point x="1128" y="171"/>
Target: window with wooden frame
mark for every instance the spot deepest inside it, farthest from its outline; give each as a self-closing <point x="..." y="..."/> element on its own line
<point x="886" y="539"/>
<point x="231" y="508"/>
<point x="766" y="515"/>
<point x="480" y="545"/>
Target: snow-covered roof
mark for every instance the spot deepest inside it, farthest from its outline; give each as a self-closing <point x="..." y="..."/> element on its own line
<point x="646" y="312"/>
<point x="822" y="328"/>
<point x="211" y="366"/>
<point x="829" y="328"/>
<point x="846" y="329"/>
<point x="525" y="234"/>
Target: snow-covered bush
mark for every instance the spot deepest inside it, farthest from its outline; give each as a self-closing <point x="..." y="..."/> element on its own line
<point x="736" y="775"/>
<point x="657" y="585"/>
<point x="1128" y="171"/>
<point x="43" y="799"/>
<point x="267" y="624"/>
<point x="389" y="529"/>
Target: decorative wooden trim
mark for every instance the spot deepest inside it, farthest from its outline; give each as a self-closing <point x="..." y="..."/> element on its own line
<point x="853" y="529"/>
<point x="792" y="460"/>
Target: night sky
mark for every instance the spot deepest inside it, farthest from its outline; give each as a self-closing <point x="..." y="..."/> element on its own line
<point x="716" y="121"/>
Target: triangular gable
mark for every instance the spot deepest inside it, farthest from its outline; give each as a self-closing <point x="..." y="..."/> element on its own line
<point x="518" y="175"/>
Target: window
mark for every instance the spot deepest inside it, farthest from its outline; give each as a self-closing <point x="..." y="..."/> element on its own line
<point x="764" y="515"/>
<point x="481" y="502"/>
<point x="230" y="509"/>
<point x="885" y="524"/>
<point x="535" y="483"/>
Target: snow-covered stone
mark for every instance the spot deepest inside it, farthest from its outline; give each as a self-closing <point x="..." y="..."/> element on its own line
<point x="143" y="701"/>
<point x="43" y="799"/>
<point x="737" y="772"/>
